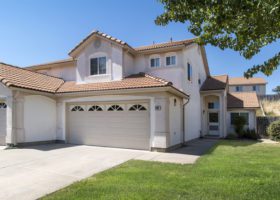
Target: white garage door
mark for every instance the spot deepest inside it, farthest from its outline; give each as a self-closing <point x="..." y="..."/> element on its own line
<point x="124" y="125"/>
<point x="3" y="107"/>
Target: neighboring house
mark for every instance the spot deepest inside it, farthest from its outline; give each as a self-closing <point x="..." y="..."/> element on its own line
<point x="108" y="93"/>
<point x="241" y="84"/>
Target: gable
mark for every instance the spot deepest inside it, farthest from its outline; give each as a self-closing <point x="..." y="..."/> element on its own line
<point x="97" y="35"/>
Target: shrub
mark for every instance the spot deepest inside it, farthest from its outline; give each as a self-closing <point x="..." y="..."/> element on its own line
<point x="251" y="134"/>
<point x="239" y="123"/>
<point x="273" y="130"/>
<point x="231" y="136"/>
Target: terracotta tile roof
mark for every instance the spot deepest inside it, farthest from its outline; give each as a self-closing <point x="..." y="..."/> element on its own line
<point x="242" y="100"/>
<point x="164" y="45"/>
<point x="215" y="83"/>
<point x="135" y="50"/>
<point x="140" y="80"/>
<point x="104" y="35"/>
<point x="12" y="76"/>
<point x="54" y="63"/>
<point x="245" y="81"/>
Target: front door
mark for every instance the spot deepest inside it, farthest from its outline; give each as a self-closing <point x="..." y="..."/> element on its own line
<point x="213" y="123"/>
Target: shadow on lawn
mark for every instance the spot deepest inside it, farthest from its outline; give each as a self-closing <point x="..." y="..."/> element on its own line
<point x="197" y="147"/>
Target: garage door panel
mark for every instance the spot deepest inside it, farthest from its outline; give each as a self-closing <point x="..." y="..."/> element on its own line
<point x="2" y="126"/>
<point x="125" y="129"/>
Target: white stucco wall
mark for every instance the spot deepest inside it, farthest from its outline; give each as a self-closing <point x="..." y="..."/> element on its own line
<point x="249" y="88"/>
<point x="128" y="64"/>
<point x="175" y="120"/>
<point x="114" y="62"/>
<point x="252" y="120"/>
<point x="66" y="72"/>
<point x="177" y="74"/>
<point x="39" y="118"/>
<point x="5" y="114"/>
<point x="193" y="115"/>
<point x="161" y="122"/>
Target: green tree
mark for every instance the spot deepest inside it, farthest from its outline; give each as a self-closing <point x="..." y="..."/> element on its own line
<point x="277" y="89"/>
<point x="242" y="25"/>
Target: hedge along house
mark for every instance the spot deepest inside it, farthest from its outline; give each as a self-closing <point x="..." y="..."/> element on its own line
<point x="108" y="93"/>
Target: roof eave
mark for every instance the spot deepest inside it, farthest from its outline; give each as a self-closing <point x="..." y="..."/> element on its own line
<point x="166" y="88"/>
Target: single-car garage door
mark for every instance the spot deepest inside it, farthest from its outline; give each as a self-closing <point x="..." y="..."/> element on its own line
<point x="124" y="125"/>
<point x="3" y="108"/>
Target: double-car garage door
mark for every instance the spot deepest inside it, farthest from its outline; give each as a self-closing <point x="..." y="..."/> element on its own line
<point x="117" y="124"/>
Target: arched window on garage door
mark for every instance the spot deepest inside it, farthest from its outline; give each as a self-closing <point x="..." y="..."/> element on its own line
<point x="3" y="105"/>
<point x="115" y="108"/>
<point x="137" y="107"/>
<point x="95" y="108"/>
<point x="77" y="108"/>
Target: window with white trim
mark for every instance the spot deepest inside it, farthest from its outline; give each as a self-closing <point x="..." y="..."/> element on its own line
<point x="233" y="116"/>
<point x="255" y="88"/>
<point x="239" y="88"/>
<point x="95" y="108"/>
<point x="77" y="108"/>
<point x="3" y="105"/>
<point x="115" y="108"/>
<point x="170" y="60"/>
<point x="154" y="62"/>
<point x="137" y="107"/>
<point x="98" y="65"/>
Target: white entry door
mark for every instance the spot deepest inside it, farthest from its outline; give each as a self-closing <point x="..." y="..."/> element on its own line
<point x="213" y="123"/>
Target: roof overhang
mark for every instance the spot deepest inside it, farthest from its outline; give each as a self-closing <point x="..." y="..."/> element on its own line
<point x="96" y="34"/>
<point x="60" y="63"/>
<point x="169" y="89"/>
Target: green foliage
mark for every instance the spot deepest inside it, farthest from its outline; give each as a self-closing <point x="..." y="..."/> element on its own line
<point x="241" y="25"/>
<point x="277" y="89"/>
<point x="273" y="130"/>
<point x="239" y="123"/>
<point x="250" y="134"/>
<point x="232" y="136"/>
<point x="234" y="170"/>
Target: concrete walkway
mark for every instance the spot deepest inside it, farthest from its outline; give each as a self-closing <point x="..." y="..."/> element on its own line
<point x="30" y="173"/>
<point x="185" y="155"/>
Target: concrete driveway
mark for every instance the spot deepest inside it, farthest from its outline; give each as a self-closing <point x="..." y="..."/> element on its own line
<point x="30" y="173"/>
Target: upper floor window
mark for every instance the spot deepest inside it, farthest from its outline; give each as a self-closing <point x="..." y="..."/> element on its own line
<point x="255" y="88"/>
<point x="98" y="66"/>
<point x="155" y="62"/>
<point x="189" y="72"/>
<point x="238" y="88"/>
<point x="170" y="60"/>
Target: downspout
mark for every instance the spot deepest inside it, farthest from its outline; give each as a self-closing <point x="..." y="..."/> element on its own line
<point x="188" y="100"/>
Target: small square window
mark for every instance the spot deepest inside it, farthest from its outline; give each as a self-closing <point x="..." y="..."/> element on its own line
<point x="238" y="88"/>
<point x="98" y="66"/>
<point x="170" y="60"/>
<point x="155" y="62"/>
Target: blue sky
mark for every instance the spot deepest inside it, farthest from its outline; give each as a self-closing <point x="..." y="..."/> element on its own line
<point x="37" y="31"/>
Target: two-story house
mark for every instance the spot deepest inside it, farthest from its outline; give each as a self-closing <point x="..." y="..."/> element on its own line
<point x="108" y="93"/>
<point x="241" y="84"/>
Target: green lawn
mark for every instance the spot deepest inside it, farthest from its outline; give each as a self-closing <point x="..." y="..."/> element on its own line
<point x="232" y="170"/>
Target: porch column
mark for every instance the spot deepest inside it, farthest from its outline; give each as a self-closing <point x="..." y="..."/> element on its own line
<point x="60" y="125"/>
<point x="222" y="116"/>
<point x="10" y="135"/>
<point x="19" y="119"/>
